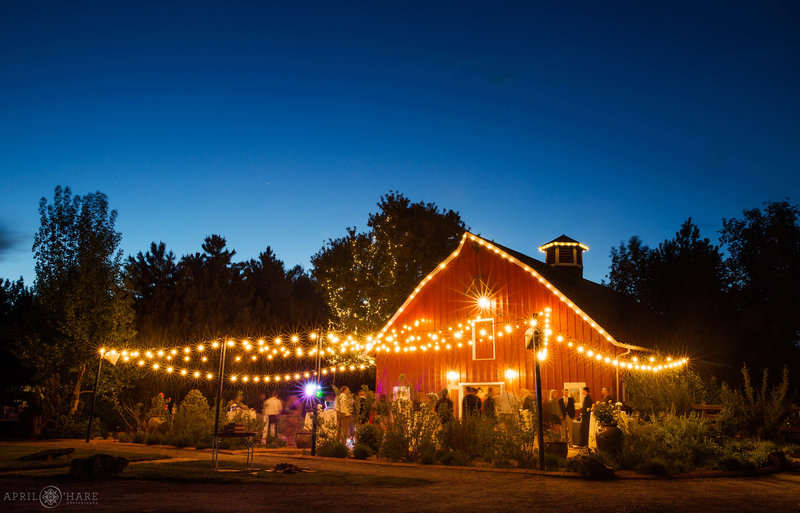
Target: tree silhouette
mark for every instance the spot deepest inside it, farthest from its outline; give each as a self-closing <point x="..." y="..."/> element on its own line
<point x="764" y="271"/>
<point x="366" y="276"/>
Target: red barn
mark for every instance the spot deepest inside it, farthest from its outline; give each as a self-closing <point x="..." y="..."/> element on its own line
<point x="465" y="323"/>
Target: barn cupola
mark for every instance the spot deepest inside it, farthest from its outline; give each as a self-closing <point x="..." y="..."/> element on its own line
<point x="566" y="254"/>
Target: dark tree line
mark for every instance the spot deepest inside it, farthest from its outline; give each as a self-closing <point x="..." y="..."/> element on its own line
<point x="735" y="302"/>
<point x="208" y="295"/>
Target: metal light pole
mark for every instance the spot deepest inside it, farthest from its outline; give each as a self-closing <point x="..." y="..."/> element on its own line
<point x="94" y="398"/>
<point x="315" y="412"/>
<point x="221" y="385"/>
<point x="534" y="338"/>
<point x="537" y="375"/>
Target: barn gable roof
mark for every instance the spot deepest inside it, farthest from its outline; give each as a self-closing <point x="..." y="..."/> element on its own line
<point x="618" y="318"/>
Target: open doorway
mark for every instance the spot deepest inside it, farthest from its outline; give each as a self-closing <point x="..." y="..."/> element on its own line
<point x="457" y="393"/>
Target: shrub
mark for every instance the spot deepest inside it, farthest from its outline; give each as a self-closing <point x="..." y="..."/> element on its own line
<point x="193" y="417"/>
<point x="756" y="412"/>
<point x="554" y="462"/>
<point x="124" y="437"/>
<point x="203" y="443"/>
<point x="361" y="452"/>
<point x="680" y="442"/>
<point x="334" y="450"/>
<point x="516" y="440"/>
<point x="653" y="466"/>
<point x="155" y="439"/>
<point x="461" y="459"/>
<point x="326" y="433"/>
<point x="744" y="454"/>
<point x="179" y="440"/>
<point x="411" y="433"/>
<point x="275" y="442"/>
<point x="427" y="458"/>
<point x="139" y="437"/>
<point x="73" y="427"/>
<point x="663" y="392"/>
<point x="370" y="435"/>
<point x="472" y="436"/>
<point x="158" y="408"/>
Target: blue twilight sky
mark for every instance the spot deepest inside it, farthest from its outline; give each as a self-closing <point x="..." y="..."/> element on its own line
<point x="282" y="123"/>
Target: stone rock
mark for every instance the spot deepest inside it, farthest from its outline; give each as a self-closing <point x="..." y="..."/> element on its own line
<point x="590" y="467"/>
<point x="98" y="466"/>
<point x="287" y="468"/>
<point x="777" y="459"/>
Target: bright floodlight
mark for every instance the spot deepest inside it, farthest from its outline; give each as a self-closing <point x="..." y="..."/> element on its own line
<point x="311" y="389"/>
<point x="484" y="303"/>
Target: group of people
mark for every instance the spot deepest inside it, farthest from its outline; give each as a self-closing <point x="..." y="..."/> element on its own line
<point x="351" y="408"/>
<point x="471" y="404"/>
<point x="559" y="412"/>
<point x="273" y="408"/>
<point x="562" y="412"/>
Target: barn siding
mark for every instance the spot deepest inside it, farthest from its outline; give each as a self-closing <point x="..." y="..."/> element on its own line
<point x="443" y="302"/>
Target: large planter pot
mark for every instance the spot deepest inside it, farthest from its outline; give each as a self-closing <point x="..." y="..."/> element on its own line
<point x="559" y="449"/>
<point x="609" y="438"/>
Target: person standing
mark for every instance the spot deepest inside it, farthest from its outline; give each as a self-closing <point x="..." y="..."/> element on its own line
<point x="608" y="397"/>
<point x="471" y="405"/>
<point x="272" y="408"/>
<point x="360" y="410"/>
<point x="586" y="416"/>
<point x="489" y="404"/>
<point x="444" y="407"/>
<point x="527" y="400"/>
<point x="344" y="413"/>
<point x="566" y="404"/>
<point x="554" y="410"/>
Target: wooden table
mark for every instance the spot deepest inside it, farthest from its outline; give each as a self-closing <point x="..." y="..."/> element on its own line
<point x="215" y="438"/>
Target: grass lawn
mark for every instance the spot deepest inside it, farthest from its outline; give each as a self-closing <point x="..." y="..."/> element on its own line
<point x="10" y="453"/>
<point x="200" y="471"/>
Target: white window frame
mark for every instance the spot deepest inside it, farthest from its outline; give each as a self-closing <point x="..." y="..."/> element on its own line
<point x="475" y="342"/>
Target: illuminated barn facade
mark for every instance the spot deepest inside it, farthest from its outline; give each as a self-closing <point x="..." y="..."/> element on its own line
<point x="465" y="323"/>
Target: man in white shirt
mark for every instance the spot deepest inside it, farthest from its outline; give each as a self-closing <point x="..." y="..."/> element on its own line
<point x="272" y="408"/>
<point x="344" y="412"/>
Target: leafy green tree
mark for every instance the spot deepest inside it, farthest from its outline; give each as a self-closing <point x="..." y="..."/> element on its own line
<point x="79" y="286"/>
<point x="764" y="269"/>
<point x="366" y="276"/>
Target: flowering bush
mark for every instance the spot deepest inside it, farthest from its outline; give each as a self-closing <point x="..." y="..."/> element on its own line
<point x="604" y="412"/>
<point x="411" y="433"/>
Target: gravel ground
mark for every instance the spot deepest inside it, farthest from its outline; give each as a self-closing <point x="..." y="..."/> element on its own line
<point x="449" y="490"/>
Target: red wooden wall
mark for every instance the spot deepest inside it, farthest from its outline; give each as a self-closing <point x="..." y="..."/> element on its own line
<point x="450" y="297"/>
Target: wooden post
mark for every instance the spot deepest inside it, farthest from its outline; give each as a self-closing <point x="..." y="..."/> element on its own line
<point x="94" y="398"/>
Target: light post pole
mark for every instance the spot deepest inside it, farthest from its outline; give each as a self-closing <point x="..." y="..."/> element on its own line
<point x="221" y="385"/>
<point x="314" y="403"/>
<point x="534" y="338"/>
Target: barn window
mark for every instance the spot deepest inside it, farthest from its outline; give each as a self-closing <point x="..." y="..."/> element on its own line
<point x="483" y="339"/>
